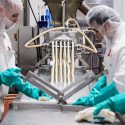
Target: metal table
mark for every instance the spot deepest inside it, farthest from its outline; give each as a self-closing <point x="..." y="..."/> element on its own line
<point x="27" y="111"/>
<point x="43" y="117"/>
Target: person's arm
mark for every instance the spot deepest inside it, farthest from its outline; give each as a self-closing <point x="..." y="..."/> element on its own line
<point x="12" y="77"/>
<point x="119" y="75"/>
<point x="105" y="109"/>
<point x="30" y="90"/>
<point x="119" y="79"/>
<point x="9" y="76"/>
<point x="88" y="100"/>
<point x="115" y="104"/>
<point x="27" y="88"/>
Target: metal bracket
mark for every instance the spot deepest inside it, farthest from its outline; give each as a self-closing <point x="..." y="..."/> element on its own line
<point x="60" y="95"/>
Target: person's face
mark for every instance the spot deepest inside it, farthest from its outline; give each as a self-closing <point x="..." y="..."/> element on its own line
<point x="105" y="29"/>
<point x="11" y="21"/>
<point x="14" y="17"/>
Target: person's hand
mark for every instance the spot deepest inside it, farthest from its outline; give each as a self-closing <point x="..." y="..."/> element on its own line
<point x="82" y="101"/>
<point x="115" y="104"/>
<point x="30" y="90"/>
<point x="87" y="100"/>
<point x="96" y="96"/>
<point x="43" y="98"/>
<point x="9" y="76"/>
<point x="87" y="114"/>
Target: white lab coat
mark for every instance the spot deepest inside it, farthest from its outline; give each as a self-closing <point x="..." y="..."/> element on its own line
<point x="114" y="60"/>
<point x="7" y="60"/>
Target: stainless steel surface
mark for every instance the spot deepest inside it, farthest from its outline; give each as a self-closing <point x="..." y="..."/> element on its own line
<point x="43" y="117"/>
<point x="27" y="111"/>
<point x="77" y="88"/>
<point x="45" y="74"/>
<point x="61" y="95"/>
<point x="75" y="36"/>
<point x="64" y="11"/>
<point x="27" y="57"/>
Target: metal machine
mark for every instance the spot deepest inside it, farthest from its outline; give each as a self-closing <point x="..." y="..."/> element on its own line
<point x="60" y="72"/>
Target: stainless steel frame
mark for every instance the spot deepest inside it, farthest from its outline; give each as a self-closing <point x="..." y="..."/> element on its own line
<point x="60" y="95"/>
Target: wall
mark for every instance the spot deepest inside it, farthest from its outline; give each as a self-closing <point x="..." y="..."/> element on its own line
<point x="34" y="5"/>
<point x="119" y="6"/>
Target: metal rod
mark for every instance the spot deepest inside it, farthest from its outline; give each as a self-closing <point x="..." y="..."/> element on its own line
<point x="63" y="14"/>
<point x="41" y="81"/>
<point x="79" y="87"/>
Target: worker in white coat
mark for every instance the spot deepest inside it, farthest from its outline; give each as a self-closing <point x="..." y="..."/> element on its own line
<point x="109" y="90"/>
<point x="112" y="82"/>
<point x="9" y="74"/>
<point x="112" y="27"/>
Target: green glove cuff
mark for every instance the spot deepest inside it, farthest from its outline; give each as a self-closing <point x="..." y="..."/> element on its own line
<point x="108" y="91"/>
<point x="100" y="83"/>
<point x="115" y="104"/>
<point x="27" y="88"/>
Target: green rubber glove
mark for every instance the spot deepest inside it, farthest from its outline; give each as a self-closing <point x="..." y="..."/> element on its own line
<point x="115" y="104"/>
<point x="9" y="76"/>
<point x="106" y="92"/>
<point x="28" y="89"/>
<point x="101" y="83"/>
<point x="45" y="95"/>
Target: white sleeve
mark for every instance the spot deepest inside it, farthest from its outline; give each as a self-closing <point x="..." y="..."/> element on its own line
<point x="8" y="42"/>
<point x="119" y="75"/>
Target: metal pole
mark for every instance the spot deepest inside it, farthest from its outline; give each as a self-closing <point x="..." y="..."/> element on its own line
<point x="63" y="12"/>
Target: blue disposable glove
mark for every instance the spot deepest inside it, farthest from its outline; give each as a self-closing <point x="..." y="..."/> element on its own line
<point x="101" y="83"/>
<point x="104" y="93"/>
<point x="9" y="76"/>
<point x="115" y="104"/>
